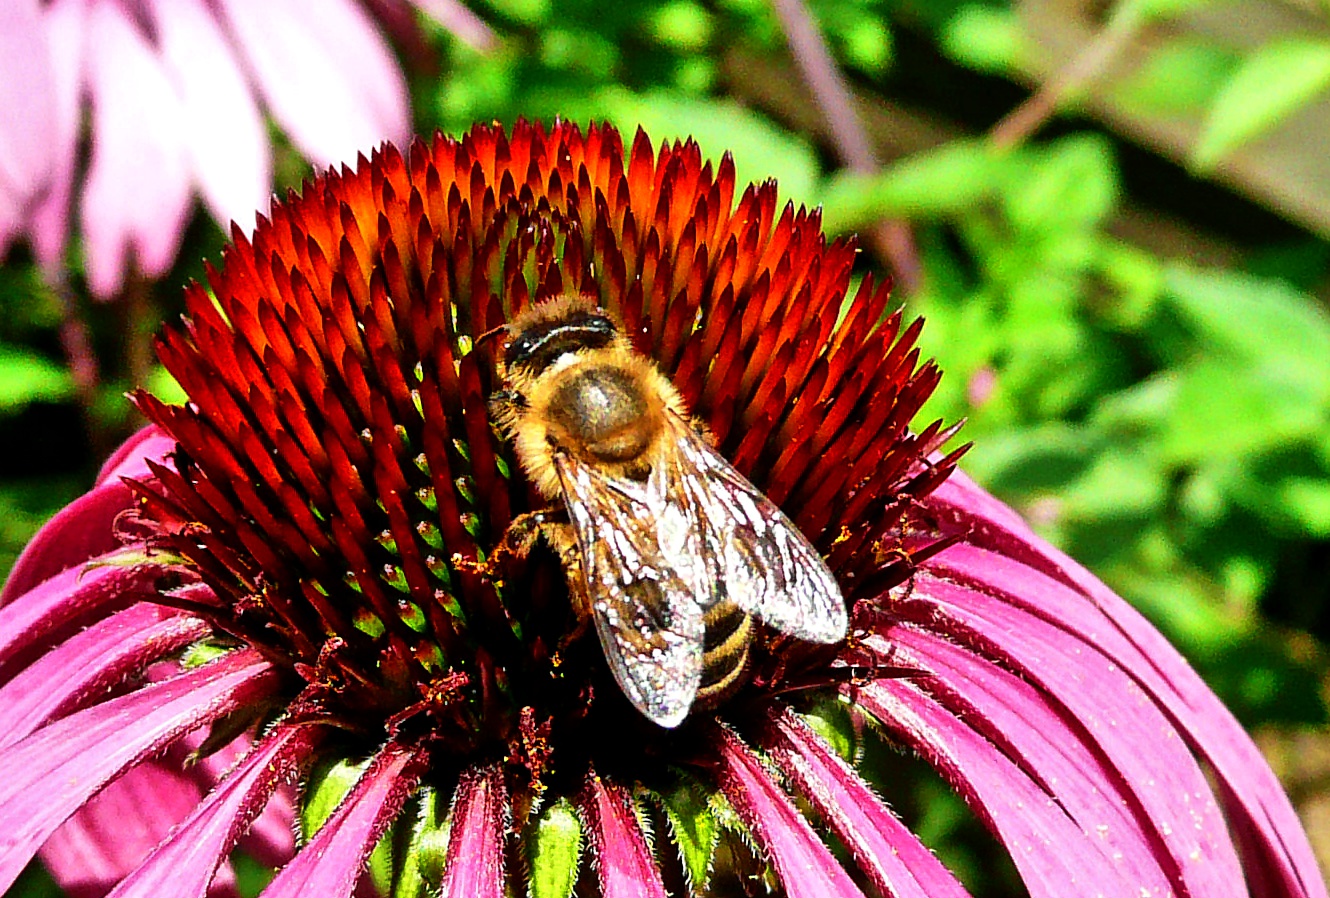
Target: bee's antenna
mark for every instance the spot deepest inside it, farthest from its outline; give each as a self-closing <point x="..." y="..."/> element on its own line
<point x="489" y="334"/>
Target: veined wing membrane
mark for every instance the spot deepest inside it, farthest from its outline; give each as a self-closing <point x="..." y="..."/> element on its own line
<point x="758" y="558"/>
<point x="642" y="593"/>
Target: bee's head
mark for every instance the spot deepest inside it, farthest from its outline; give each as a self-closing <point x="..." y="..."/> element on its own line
<point x="549" y="331"/>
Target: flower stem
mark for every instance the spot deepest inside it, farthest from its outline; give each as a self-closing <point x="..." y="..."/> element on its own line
<point x="1019" y="124"/>
<point x="892" y="239"/>
<point x="84" y="371"/>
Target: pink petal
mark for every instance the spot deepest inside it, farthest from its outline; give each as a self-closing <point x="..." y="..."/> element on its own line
<point x="130" y="459"/>
<point x="331" y="862"/>
<point x="475" y="841"/>
<point x="85" y="528"/>
<point x="113" y="832"/>
<point x="464" y="24"/>
<point x="184" y="864"/>
<point x="1254" y="800"/>
<point x="224" y="135"/>
<point x="91" y="663"/>
<point x="1053" y="854"/>
<point x="58" y="768"/>
<point x="80" y="531"/>
<point x="49" y="219"/>
<point x="894" y="859"/>
<point x="624" y="863"/>
<point x="805" y="867"/>
<point x="1102" y="697"/>
<point x="1054" y="749"/>
<point x="271" y="838"/>
<point x="77" y="595"/>
<point x="137" y="195"/>
<point x="27" y="98"/>
<point x="327" y="75"/>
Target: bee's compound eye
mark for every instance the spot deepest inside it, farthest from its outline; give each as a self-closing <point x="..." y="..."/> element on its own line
<point x="539" y="346"/>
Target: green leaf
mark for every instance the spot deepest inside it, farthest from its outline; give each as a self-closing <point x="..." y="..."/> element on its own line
<point x="935" y="183"/>
<point x="555" y="850"/>
<point x="1271" y="84"/>
<point x="28" y="377"/>
<point x="1071" y="183"/>
<point x="1306" y="500"/>
<point x="694" y="828"/>
<point x="1160" y="9"/>
<point x="1033" y="460"/>
<point x="1226" y="409"/>
<point x="985" y="39"/>
<point x="682" y="24"/>
<point x="528" y="12"/>
<point x="1282" y="332"/>
<point x="867" y="45"/>
<point x="326" y="787"/>
<point x="1180" y="76"/>
<point x="831" y="720"/>
<point x="760" y="149"/>
<point x="1120" y="482"/>
<point x="165" y="387"/>
<point x="423" y="861"/>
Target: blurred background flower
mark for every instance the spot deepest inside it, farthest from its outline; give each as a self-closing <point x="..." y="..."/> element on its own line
<point x="1115" y="218"/>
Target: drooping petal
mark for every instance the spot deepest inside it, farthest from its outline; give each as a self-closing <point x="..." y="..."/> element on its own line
<point x="113" y="832"/>
<point x="326" y="74"/>
<point x="55" y="770"/>
<point x="1054" y="855"/>
<point x="131" y="458"/>
<point x="137" y="193"/>
<point x="329" y="864"/>
<point x="624" y="863"/>
<point x="1077" y="602"/>
<point x="74" y="596"/>
<point x="85" y="527"/>
<point x="475" y="840"/>
<point x="184" y="864"/>
<point x="224" y="135"/>
<point x="804" y="865"/>
<point x="889" y="854"/>
<point x="27" y="98"/>
<point x="461" y="21"/>
<point x="271" y="837"/>
<point x="91" y="662"/>
<point x="65" y="21"/>
<point x="1055" y="749"/>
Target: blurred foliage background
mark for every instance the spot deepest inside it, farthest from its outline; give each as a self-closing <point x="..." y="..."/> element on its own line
<point x="1115" y="217"/>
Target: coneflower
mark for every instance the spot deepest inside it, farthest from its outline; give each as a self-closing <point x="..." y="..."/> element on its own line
<point x="296" y="571"/>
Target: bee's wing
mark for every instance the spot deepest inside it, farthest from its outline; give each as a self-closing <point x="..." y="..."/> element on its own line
<point x="641" y="586"/>
<point x="755" y="555"/>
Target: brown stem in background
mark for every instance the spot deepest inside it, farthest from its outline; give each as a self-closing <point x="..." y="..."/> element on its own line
<point x="1017" y="126"/>
<point x="141" y="323"/>
<point x="76" y="342"/>
<point x="890" y="239"/>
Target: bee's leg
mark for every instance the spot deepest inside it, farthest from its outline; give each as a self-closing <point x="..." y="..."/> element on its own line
<point x="563" y="540"/>
<point x="518" y="539"/>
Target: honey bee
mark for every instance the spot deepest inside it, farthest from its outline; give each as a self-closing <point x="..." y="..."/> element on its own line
<point x="665" y="546"/>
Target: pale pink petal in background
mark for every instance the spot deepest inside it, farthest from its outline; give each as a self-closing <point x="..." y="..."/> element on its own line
<point x="224" y="135"/>
<point x="48" y="215"/>
<point x="326" y="74"/>
<point x="27" y="98"/>
<point x="137" y="197"/>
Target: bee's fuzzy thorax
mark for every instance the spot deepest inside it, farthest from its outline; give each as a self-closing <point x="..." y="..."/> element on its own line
<point x="532" y="414"/>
